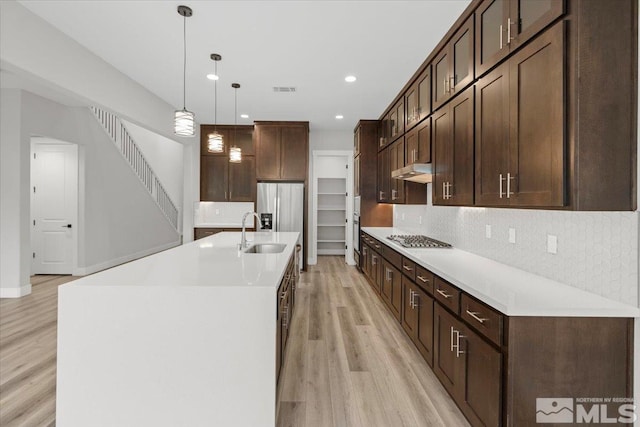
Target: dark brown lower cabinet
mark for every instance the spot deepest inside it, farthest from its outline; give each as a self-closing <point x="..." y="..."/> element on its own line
<point x="391" y="287"/>
<point x="469" y="368"/>
<point x="417" y="318"/>
<point x="286" y="298"/>
<point x="495" y="366"/>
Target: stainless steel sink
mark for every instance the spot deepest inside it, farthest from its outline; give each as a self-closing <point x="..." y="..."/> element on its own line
<point x="266" y="248"/>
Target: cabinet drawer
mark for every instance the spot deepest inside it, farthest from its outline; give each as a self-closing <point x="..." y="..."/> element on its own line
<point x="392" y="256"/>
<point x="424" y="279"/>
<point x="409" y="268"/>
<point x="447" y="295"/>
<point x="485" y="320"/>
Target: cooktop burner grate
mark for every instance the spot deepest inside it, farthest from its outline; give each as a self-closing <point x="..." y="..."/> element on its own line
<point x="417" y="241"/>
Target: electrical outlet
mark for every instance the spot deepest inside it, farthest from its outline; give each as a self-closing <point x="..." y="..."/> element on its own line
<point x="487" y="231"/>
<point x="512" y="235"/>
<point x="552" y="244"/>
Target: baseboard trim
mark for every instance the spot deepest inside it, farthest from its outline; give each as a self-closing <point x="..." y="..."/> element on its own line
<point x="83" y="271"/>
<point x="15" y="292"/>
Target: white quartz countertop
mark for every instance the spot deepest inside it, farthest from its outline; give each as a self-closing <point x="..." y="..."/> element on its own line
<point x="211" y="261"/>
<point x="509" y="290"/>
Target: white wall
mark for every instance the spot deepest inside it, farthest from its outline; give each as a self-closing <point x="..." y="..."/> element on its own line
<point x="165" y="157"/>
<point x="62" y="63"/>
<point x="118" y="219"/>
<point x="14" y="201"/>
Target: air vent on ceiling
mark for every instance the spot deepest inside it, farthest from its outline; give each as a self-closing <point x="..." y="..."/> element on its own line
<point x="284" y="89"/>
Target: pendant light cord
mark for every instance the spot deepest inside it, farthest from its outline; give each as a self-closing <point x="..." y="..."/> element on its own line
<point x="184" y="68"/>
<point x="215" y="98"/>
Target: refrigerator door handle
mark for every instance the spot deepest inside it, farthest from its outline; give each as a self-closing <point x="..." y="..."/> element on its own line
<point x="278" y="210"/>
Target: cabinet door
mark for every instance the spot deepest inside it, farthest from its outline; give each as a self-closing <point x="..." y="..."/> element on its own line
<point x="491" y="33"/>
<point x="376" y="271"/>
<point x="480" y="392"/>
<point x="214" y="178"/>
<point x="384" y="175"/>
<point x="411" y="102"/>
<point x="448" y="365"/>
<point x="242" y="137"/>
<point x="267" y="152"/>
<point x="384" y="130"/>
<point x="424" y="94"/>
<point x="396" y="161"/>
<point x="460" y="190"/>
<point x="441" y="83"/>
<point x="409" y="312"/>
<point x="293" y="161"/>
<point x="418" y="144"/>
<point x="424" y="324"/>
<point x="242" y="180"/>
<point x="356" y="176"/>
<point x="537" y="118"/>
<point x="492" y="137"/>
<point x="442" y="155"/>
<point x="391" y="288"/>
<point x="529" y="17"/>
<point x="462" y="66"/>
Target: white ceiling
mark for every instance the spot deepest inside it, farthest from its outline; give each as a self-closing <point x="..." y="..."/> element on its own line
<point x="311" y="45"/>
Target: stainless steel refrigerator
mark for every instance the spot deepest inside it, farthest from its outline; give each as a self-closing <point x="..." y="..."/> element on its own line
<point x="281" y="208"/>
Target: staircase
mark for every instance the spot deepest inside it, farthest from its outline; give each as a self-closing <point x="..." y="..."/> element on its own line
<point x="130" y="151"/>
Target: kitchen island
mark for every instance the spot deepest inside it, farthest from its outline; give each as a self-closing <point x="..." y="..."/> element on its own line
<point x="185" y="337"/>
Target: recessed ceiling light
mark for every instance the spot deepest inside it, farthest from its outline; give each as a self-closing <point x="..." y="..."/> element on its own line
<point x="212" y="77"/>
<point x="244" y="116"/>
<point x="350" y="79"/>
<point x="339" y="117"/>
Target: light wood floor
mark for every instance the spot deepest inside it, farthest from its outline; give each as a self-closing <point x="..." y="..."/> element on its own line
<point x="28" y="355"/>
<point x="349" y="363"/>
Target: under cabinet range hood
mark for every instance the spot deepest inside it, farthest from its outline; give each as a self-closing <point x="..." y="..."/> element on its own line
<point x="417" y="172"/>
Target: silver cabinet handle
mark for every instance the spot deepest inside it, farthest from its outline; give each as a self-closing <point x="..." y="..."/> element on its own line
<point x="374" y="259"/>
<point x="444" y="85"/>
<point x="474" y="314"/>
<point x="457" y="346"/>
<point x="509" y="178"/>
<point x="423" y="279"/>
<point x="411" y="298"/>
<point x="406" y="267"/>
<point x="381" y="195"/>
<point x="443" y="293"/>
<point x="452" y="333"/>
<point x="500" y="178"/>
<point x="388" y="274"/>
<point x="509" y="23"/>
<point x="393" y="194"/>
<point x="377" y="246"/>
<point x="452" y="86"/>
<point x="501" y="36"/>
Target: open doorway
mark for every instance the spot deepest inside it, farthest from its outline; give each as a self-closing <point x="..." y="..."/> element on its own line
<point x="54" y="206"/>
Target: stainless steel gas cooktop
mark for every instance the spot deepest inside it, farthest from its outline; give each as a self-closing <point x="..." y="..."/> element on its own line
<point x="417" y="241"/>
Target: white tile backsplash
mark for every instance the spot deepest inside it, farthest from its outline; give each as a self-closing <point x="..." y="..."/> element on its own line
<point x="596" y="251"/>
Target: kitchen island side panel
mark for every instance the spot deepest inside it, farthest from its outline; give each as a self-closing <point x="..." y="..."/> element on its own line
<point x="166" y="356"/>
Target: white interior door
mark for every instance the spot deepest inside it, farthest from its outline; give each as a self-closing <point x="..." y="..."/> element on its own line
<point x="54" y="207"/>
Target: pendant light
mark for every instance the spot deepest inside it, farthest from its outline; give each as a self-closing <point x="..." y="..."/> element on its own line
<point x="184" y="119"/>
<point x="235" y="153"/>
<point x="215" y="143"/>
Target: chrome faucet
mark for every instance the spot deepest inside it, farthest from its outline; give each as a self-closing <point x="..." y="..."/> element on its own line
<point x="243" y="240"/>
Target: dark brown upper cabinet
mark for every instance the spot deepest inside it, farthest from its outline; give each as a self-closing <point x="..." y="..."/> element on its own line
<point x="520" y="127"/>
<point x="384" y="176"/>
<point x="222" y="181"/>
<point x="504" y="25"/>
<point x="240" y="136"/>
<point x="282" y="150"/>
<point x="396" y="161"/>
<point x="396" y="120"/>
<point x="418" y="143"/>
<point x="384" y="131"/>
<point x="453" y="140"/>
<point x="356" y="142"/>
<point x="417" y="99"/>
<point x="453" y="67"/>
